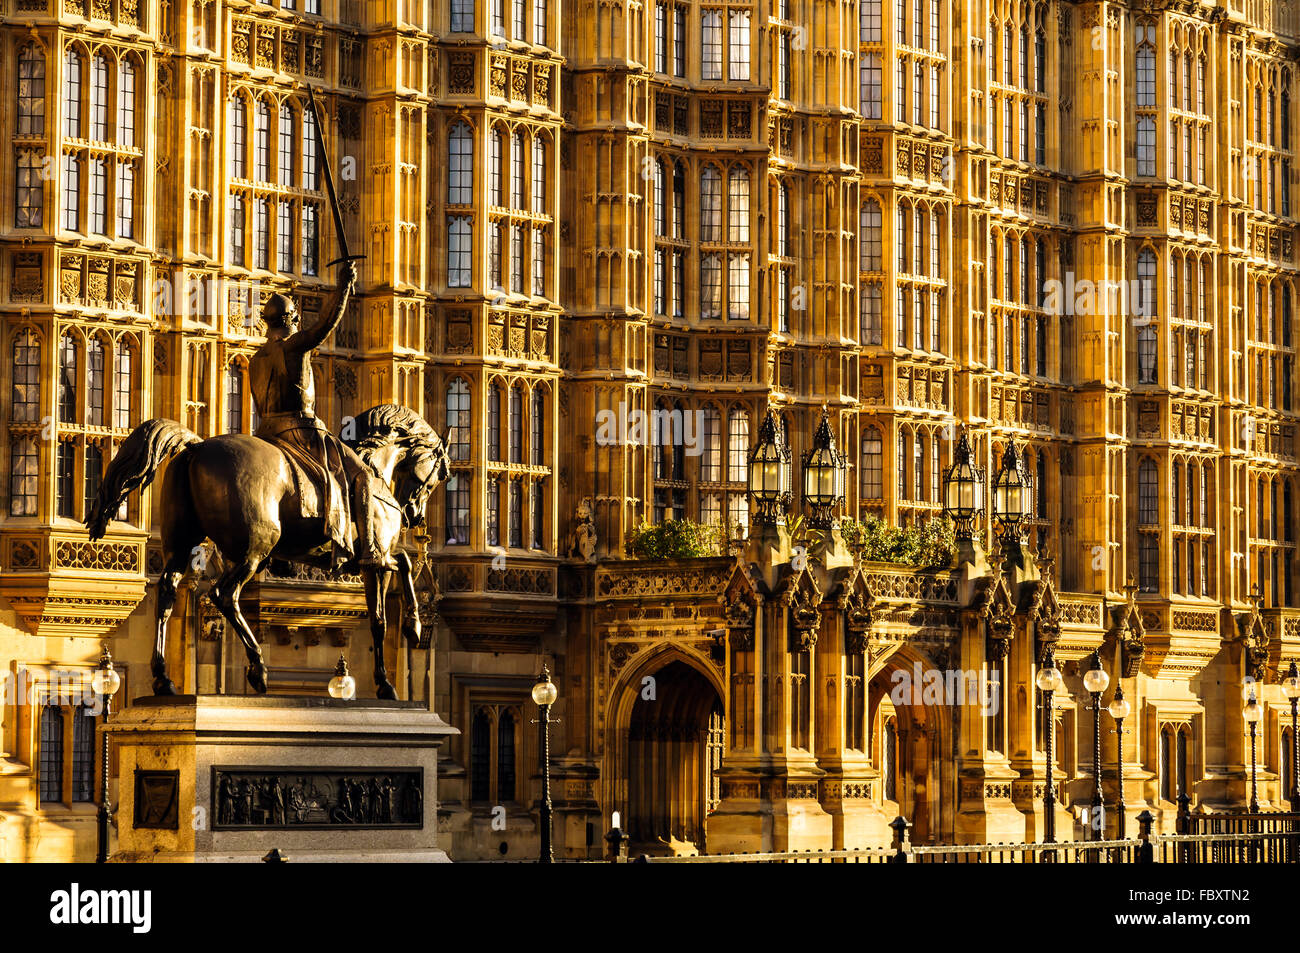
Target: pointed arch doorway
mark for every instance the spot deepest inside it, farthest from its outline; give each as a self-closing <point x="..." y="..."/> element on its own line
<point x="675" y="737"/>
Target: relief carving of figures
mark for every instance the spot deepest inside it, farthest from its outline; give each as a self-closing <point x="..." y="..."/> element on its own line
<point x="1129" y="632"/>
<point x="1254" y="637"/>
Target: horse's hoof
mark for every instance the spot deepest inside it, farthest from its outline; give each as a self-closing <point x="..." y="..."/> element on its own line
<point x="411" y="631"/>
<point x="257" y="678"/>
<point x="162" y="685"/>
<point x="387" y="691"/>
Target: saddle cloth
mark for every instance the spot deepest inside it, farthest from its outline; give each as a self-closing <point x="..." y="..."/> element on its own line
<point x="316" y="464"/>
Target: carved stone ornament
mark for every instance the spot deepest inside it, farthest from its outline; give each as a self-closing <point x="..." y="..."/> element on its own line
<point x="1254" y="637"/>
<point x="740" y="600"/>
<point x="801" y="594"/>
<point x="1000" y="618"/>
<point x="1129" y="632"/>
<point x="854" y="597"/>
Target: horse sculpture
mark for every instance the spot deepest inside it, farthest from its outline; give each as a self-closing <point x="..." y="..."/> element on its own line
<point x="239" y="492"/>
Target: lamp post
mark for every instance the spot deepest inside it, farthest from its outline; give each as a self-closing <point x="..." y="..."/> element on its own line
<point x="1119" y="710"/>
<point x="105" y="682"/>
<point x="1253" y="712"/>
<point x="1291" y="686"/>
<point x="544" y="694"/>
<point x="769" y="473"/>
<point x="823" y="474"/>
<point x="1095" y="681"/>
<point x="1048" y="681"/>
<point x="1013" y="501"/>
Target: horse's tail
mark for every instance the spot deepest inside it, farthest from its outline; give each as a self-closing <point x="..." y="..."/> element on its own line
<point x="135" y="465"/>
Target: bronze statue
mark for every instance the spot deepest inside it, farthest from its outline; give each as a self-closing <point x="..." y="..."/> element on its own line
<point x="293" y="491"/>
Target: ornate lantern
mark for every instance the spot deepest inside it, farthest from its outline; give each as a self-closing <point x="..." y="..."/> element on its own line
<point x="963" y="489"/>
<point x="823" y="474"/>
<point x="769" y="473"/>
<point x="1013" y="498"/>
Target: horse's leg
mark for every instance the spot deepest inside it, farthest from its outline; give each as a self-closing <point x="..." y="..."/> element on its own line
<point x="410" y="608"/>
<point x="225" y="596"/>
<point x="376" y="585"/>
<point x="166" y="595"/>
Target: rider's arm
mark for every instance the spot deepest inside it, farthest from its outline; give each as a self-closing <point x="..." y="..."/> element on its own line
<point x="309" y="339"/>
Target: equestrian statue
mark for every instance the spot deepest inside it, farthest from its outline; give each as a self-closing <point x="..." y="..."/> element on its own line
<point x="291" y="491"/>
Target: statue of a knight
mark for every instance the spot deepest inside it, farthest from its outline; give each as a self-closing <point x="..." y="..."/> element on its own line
<point x="333" y="483"/>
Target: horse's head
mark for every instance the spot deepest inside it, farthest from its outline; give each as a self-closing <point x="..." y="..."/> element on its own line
<point x="412" y="455"/>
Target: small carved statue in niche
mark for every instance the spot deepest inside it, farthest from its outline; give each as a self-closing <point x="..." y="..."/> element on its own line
<point x="583" y="545"/>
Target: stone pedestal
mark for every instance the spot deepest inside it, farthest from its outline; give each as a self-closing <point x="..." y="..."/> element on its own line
<point x="229" y="778"/>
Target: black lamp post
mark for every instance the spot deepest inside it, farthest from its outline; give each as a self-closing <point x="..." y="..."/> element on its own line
<point x="1095" y="681"/>
<point x="105" y="682"/>
<point x="1253" y="712"/>
<point x="1048" y="681"/>
<point x="823" y="474"/>
<point x="544" y="694"/>
<point x="1291" y="686"/>
<point x="963" y="490"/>
<point x="1119" y="710"/>
<point x="1013" y="501"/>
<point x="769" y="473"/>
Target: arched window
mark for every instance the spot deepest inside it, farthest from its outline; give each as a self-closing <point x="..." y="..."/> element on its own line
<point x="889" y="760"/>
<point x="494" y="511"/>
<point x="517" y="159"/>
<point x="870" y="317"/>
<point x="711" y="463"/>
<point x="678" y="446"/>
<point x="238" y="138"/>
<point x="67" y="378"/>
<point x="539" y="175"/>
<point x="872" y="464"/>
<point x="94" y="474"/>
<point x="287" y="125"/>
<point x="517" y="424"/>
<point x="459" y="254"/>
<point x="51" y="754"/>
<point x="516" y="512"/>
<point x="458" y="423"/>
<point x="95" y="382"/>
<point x="1147" y="493"/>
<point x="457" y="508"/>
<point x="659" y="206"/>
<point x="234" y="399"/>
<point x="1166" y="765"/>
<point x="1180" y="760"/>
<point x="480" y="767"/>
<point x="494" y="423"/>
<point x="126" y="103"/>
<point x="25" y="402"/>
<point x="496" y="167"/>
<point x="310" y="151"/>
<point x="738" y="205"/>
<point x="31" y="91"/>
<point x="506" y="732"/>
<point x="23" y="472"/>
<point x="1146" y="72"/>
<point x="710" y="205"/>
<point x="72" y="81"/>
<point x="679" y="201"/>
<point x="738" y="446"/>
<point x="460" y="165"/>
<point x="262" y="141"/>
<point x="99" y="98"/>
<point x="538" y="436"/>
<point x="783" y="220"/>
<point x="870" y="251"/>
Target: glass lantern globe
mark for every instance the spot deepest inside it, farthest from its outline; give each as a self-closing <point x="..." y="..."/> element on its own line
<point x="1253" y="711"/>
<point x="1048" y="679"/>
<point x="1119" y="707"/>
<point x="1095" y="679"/>
<point x="106" y="681"/>
<point x="343" y="685"/>
<point x="1291" y="684"/>
<point x="545" y="692"/>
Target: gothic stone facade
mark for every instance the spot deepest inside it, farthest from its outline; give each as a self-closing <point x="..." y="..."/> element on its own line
<point x="914" y="212"/>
